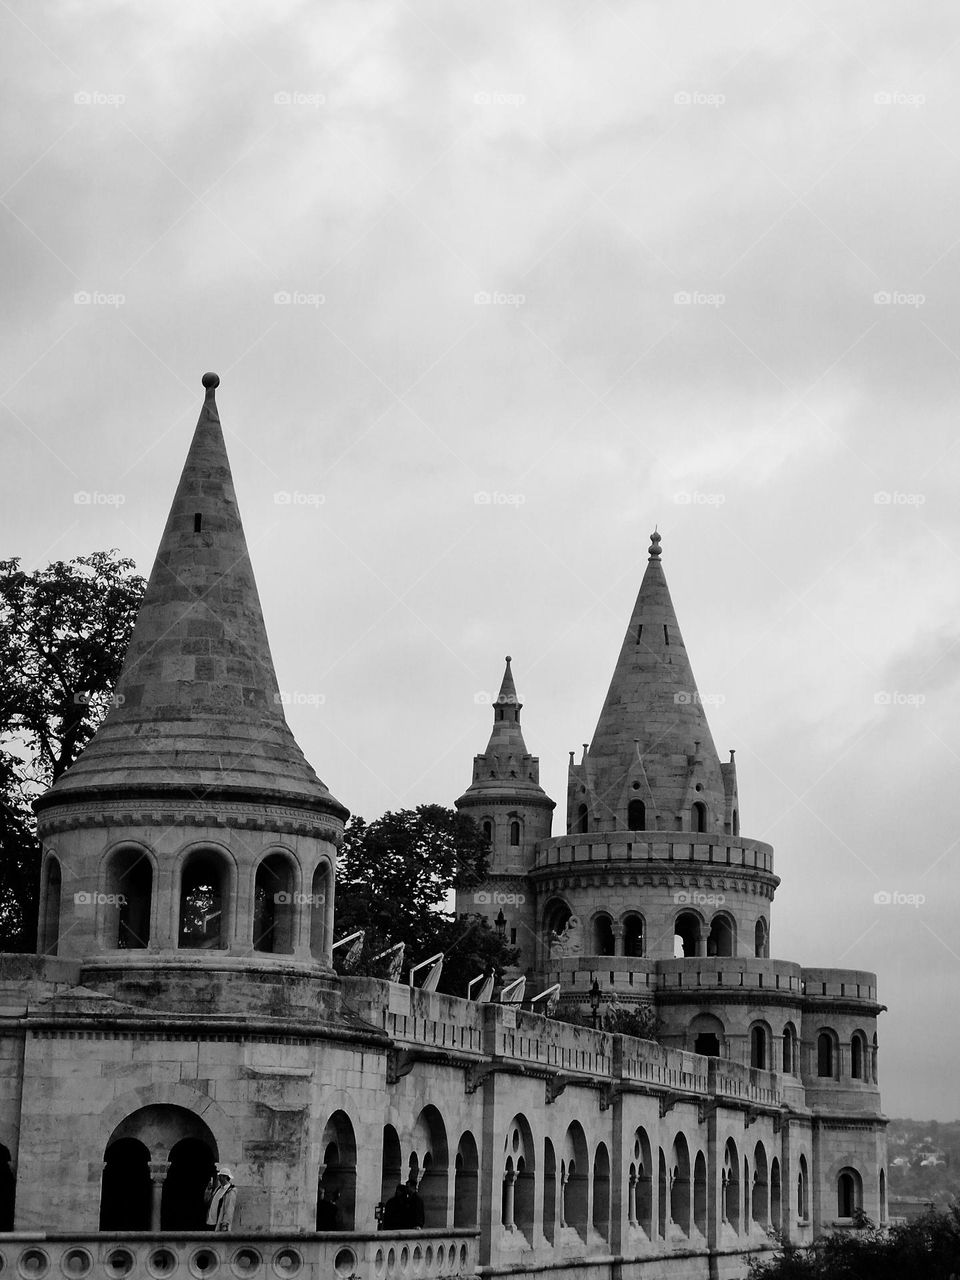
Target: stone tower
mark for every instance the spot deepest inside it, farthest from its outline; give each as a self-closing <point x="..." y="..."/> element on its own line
<point x="191" y="828"/>
<point x="506" y="801"/>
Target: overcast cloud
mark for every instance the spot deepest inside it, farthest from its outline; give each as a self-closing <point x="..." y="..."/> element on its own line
<point x="792" y="169"/>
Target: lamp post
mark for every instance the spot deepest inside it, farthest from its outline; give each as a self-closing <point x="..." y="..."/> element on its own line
<point x="595" y="1003"/>
<point x="501" y="923"/>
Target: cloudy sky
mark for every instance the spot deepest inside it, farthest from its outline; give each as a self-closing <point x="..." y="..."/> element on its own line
<point x="492" y="289"/>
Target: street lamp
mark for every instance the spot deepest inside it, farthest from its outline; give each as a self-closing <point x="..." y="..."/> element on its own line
<point x="501" y="923"/>
<point x="595" y="1003"/>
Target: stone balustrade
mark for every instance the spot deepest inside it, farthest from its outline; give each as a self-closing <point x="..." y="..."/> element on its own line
<point x="168" y="1255"/>
<point x="711" y="851"/>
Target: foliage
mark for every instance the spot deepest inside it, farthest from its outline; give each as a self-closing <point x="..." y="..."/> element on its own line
<point x="395" y="876"/>
<point x="63" y="633"/>
<point x="927" y="1248"/>
<point x="641" y="1021"/>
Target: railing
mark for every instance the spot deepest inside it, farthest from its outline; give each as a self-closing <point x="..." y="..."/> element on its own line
<point x="710" y="850"/>
<point x="171" y="1255"/>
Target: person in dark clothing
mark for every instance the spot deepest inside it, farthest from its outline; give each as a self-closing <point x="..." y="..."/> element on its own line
<point x="328" y="1217"/>
<point x="416" y="1213"/>
<point x="395" y="1211"/>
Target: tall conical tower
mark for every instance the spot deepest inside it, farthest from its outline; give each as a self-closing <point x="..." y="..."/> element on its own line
<point x="192" y="829"/>
<point x="653" y="864"/>
<point x="506" y="801"/>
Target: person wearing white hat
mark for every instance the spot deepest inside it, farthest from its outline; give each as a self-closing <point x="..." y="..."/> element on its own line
<point x="223" y="1202"/>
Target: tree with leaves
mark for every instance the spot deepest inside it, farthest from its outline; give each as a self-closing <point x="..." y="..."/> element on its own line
<point x="395" y="877"/>
<point x="63" y="633"/>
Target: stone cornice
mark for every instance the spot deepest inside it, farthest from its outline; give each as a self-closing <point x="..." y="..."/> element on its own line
<point x="667" y="875"/>
<point x="217" y="814"/>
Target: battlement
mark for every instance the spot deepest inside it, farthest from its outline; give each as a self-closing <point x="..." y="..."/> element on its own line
<point x="708" y="850"/>
<point x="840" y="984"/>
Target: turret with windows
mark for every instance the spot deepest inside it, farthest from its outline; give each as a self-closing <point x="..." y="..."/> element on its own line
<point x="192" y="826"/>
<point x="514" y="812"/>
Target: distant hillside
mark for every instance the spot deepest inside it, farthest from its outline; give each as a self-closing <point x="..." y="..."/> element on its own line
<point x="923" y="1158"/>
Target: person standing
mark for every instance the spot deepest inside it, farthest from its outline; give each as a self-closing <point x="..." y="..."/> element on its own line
<point x="223" y="1202"/>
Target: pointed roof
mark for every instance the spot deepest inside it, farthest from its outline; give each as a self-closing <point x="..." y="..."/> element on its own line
<point x="197" y="705"/>
<point x="653" y="706"/>
<point x="506" y="768"/>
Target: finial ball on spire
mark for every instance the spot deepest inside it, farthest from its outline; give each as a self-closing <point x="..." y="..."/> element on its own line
<point x="508" y="658"/>
<point x="211" y="381"/>
<point x="655" y="541"/>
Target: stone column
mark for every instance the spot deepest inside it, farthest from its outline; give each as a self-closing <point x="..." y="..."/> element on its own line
<point x="509" y="1185"/>
<point x="158" y="1176"/>
<point x="563" y="1196"/>
<point x="632" y="1200"/>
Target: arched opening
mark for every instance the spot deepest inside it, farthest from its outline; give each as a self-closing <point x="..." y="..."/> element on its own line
<point x="601" y="1193"/>
<point x="192" y="1165"/>
<point x="873" y="1064"/>
<point x="125" y="1191"/>
<point x="429" y="1142"/>
<point x="603" y="939"/>
<point x="662" y="1195"/>
<point x="680" y="1185"/>
<point x="883" y="1196"/>
<point x="825" y="1055"/>
<point x="514" y="833"/>
<point x="789" y="1049"/>
<point x="858" y="1055"/>
<point x="736" y="823"/>
<point x="643" y="1163"/>
<point x="337" y="1176"/>
<point x="273" y="905"/>
<point x="849" y="1193"/>
<point x="583" y="820"/>
<point x="700" y="1193"/>
<point x="576" y="1190"/>
<point x="8" y="1190"/>
<point x="549" y="1215"/>
<point x="319" y="900"/>
<point x="723" y="936"/>
<point x="686" y="933"/>
<point x="466" y="1173"/>
<point x="555" y="917"/>
<point x="730" y="1185"/>
<point x="698" y="816"/>
<point x="761" y="944"/>
<point x="129" y="890"/>
<point x="636" y="816"/>
<point x="185" y="1151"/>
<point x="706" y="1035"/>
<point x="803" y="1204"/>
<point x="391" y="1164"/>
<point x="760" y="1199"/>
<point x="633" y="931"/>
<point x="759" y="1039"/>
<point x="775" y="1206"/>
<point x="487" y="828"/>
<point x="50" y="916"/>
<point x="518" y="1178"/>
<point x="204" y="901"/>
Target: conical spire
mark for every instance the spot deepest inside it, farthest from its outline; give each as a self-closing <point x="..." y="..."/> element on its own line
<point x="506" y="766"/>
<point x="653" y="710"/>
<point x="198" y="708"/>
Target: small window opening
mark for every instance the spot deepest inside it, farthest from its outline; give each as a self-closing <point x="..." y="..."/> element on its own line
<point x="666" y="634"/>
<point x="639" y="632"/>
<point x="197" y="522"/>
